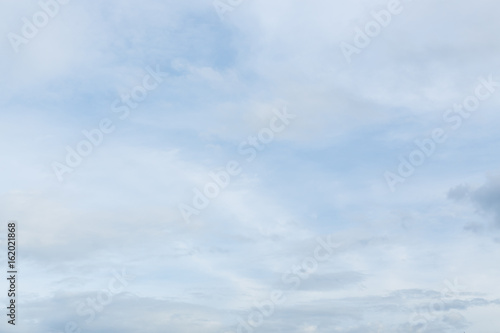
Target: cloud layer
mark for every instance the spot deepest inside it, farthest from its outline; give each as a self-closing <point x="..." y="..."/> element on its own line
<point x="420" y="259"/>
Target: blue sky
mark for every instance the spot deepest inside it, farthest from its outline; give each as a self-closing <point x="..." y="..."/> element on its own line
<point x="418" y="256"/>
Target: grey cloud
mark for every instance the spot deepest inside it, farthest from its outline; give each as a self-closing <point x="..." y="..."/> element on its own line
<point x="485" y="197"/>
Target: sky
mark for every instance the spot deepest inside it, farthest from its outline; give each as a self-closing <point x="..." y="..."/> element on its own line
<point x="243" y="166"/>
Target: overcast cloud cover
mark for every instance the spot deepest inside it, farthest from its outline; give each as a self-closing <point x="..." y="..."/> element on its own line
<point x="340" y="210"/>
